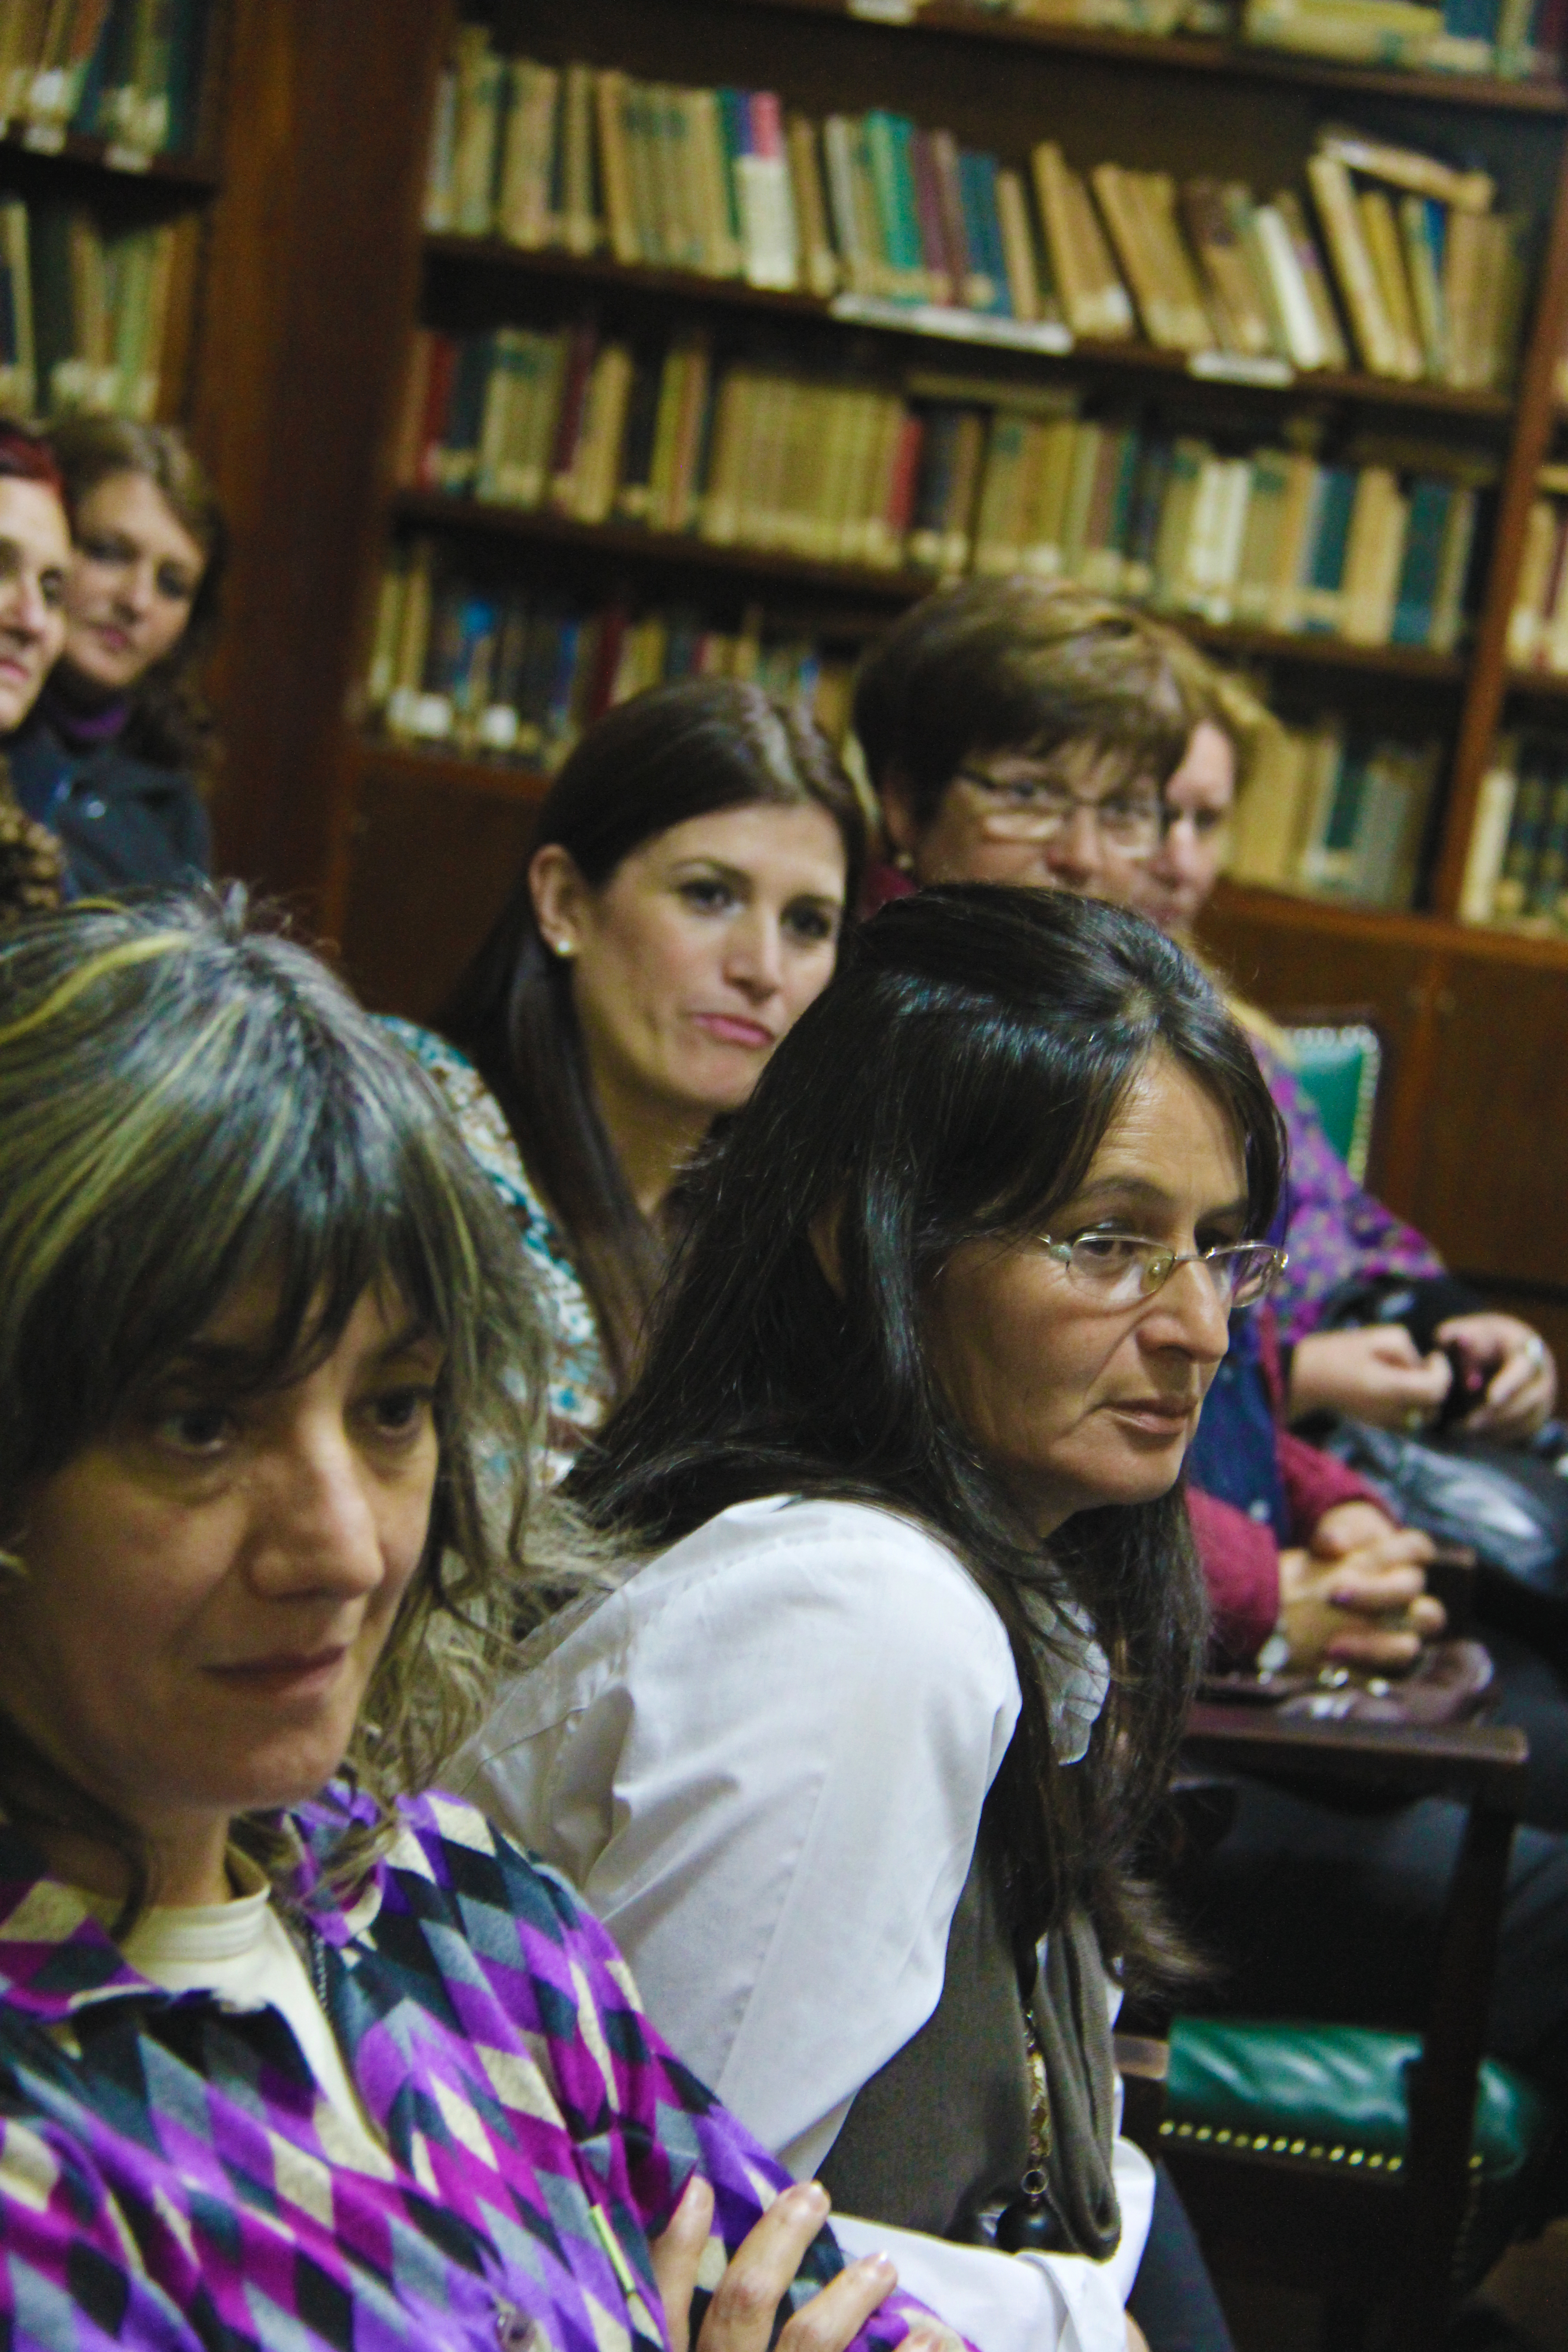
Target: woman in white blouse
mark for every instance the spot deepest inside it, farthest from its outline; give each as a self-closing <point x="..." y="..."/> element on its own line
<point x="855" y="1763"/>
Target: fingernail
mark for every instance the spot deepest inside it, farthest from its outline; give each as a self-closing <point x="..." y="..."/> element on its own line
<point x="808" y="2197"/>
<point x="878" y="2263"/>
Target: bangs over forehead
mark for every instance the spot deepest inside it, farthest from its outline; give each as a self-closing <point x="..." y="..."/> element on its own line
<point x="1024" y="665"/>
<point x="186" y="1112"/>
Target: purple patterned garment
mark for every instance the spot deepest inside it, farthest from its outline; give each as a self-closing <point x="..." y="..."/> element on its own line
<point x="167" y="2174"/>
<point x="1335" y="1232"/>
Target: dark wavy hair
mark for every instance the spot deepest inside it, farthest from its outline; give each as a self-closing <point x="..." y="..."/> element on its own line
<point x="171" y="723"/>
<point x="676" y="752"/>
<point x="953" y="1081"/>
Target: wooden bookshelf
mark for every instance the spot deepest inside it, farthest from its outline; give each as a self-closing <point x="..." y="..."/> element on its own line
<point x="965" y="341"/>
<point x="1236" y="60"/>
<point x="430" y="767"/>
<point x="893" y="589"/>
<point x="128" y="189"/>
<point x="404" y="846"/>
<point x="100" y="163"/>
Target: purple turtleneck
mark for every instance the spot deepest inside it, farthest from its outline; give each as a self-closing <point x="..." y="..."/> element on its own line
<point x="84" y="730"/>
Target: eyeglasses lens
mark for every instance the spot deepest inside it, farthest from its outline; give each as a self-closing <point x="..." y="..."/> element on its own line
<point x="1010" y="812"/>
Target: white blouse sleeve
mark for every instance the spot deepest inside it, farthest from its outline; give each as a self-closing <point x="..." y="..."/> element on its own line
<point x="762" y="1761"/>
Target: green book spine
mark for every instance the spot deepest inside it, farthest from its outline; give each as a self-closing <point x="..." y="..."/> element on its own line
<point x="1552" y="864"/>
<point x="1523" y="846"/>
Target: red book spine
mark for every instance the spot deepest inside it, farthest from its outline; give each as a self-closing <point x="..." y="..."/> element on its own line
<point x="944" y="160"/>
<point x="440" y="376"/>
<point x="767" y="124"/>
<point x="946" y="284"/>
<point x="1549" y="32"/>
<point x="573" y="396"/>
<point x="614" y="623"/>
<point x="906" y="473"/>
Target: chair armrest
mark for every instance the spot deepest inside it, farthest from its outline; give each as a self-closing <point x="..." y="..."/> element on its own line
<point x="1143" y="2065"/>
<point x="1477" y="1762"/>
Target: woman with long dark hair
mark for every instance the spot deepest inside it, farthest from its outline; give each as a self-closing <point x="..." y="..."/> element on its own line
<point x="894" y="1691"/>
<point x="679" y="909"/>
<point x="115" y="758"/>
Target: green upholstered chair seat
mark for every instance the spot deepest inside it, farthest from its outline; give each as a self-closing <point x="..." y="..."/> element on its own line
<point x="1339" y="1067"/>
<point x="1331" y="2094"/>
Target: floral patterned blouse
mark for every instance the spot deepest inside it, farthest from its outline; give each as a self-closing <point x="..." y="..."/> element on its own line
<point x="579" y="1383"/>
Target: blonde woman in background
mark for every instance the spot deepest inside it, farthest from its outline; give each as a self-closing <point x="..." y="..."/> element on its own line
<point x="1337" y="1233"/>
<point x="114" y="759"/>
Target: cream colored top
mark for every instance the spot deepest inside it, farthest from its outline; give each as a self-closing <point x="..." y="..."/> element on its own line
<point x="242" y="1952"/>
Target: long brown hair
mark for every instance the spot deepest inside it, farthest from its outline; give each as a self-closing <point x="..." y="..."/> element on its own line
<point x="677" y="753"/>
<point x="170" y="723"/>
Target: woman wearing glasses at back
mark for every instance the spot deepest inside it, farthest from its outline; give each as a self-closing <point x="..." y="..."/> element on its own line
<point x="880" y="1712"/>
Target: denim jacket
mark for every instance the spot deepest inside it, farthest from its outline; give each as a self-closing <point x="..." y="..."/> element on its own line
<point x="172" y="2178"/>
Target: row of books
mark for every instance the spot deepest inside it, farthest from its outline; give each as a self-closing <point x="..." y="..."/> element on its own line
<point x="946" y="475"/>
<point x="1538" y="625"/>
<point x="84" y="311"/>
<point x="1513" y="38"/>
<point x="1517" y="869"/>
<point x="1415" y="274"/>
<point x="1336" y="812"/>
<point x="127" y="71"/>
<point x="519" y="676"/>
<point x="1508" y="37"/>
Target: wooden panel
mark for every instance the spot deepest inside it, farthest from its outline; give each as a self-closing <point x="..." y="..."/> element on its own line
<point x="312" y="289"/>
<point x="432" y="866"/>
<point x="1494" y="1173"/>
<point x="1285" y="967"/>
<point x="1533" y="431"/>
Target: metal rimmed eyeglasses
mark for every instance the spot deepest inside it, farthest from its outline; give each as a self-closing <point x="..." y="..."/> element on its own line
<point x="1125" y="1269"/>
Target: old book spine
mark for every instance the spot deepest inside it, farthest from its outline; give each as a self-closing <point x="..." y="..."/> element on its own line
<point x="1376" y="343"/>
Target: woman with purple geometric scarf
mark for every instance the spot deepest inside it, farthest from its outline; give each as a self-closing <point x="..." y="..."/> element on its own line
<point x="294" y="2051"/>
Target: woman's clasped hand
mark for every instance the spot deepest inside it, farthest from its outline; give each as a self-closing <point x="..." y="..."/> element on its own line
<point x="1356" y="1594"/>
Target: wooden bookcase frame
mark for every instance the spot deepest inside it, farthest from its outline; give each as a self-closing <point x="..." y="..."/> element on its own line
<point x="1191" y="105"/>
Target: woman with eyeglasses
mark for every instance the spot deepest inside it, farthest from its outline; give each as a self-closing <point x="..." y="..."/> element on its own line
<point x="1318" y="1911"/>
<point x="1021" y="731"/>
<point x="876" y="1718"/>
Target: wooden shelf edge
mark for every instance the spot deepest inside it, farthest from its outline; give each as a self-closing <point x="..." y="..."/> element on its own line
<point x="1537" y="685"/>
<point x="1240" y="61"/>
<point x="1290" y="912"/>
<point x="385" y="755"/>
<point x="591" y="271"/>
<point x="892" y="589"/>
<point x="98" y="155"/>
